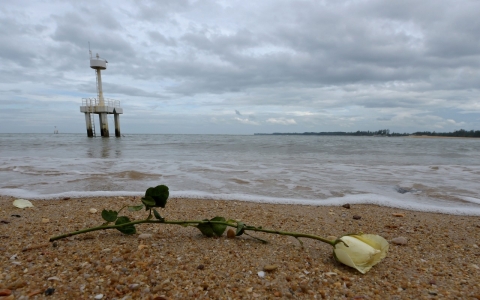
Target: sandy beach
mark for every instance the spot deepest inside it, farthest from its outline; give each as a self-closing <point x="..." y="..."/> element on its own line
<point x="440" y="259"/>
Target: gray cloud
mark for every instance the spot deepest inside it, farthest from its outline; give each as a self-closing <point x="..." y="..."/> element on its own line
<point x="316" y="65"/>
<point x="157" y="37"/>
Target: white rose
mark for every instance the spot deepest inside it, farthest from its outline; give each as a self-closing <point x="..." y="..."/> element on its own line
<point x="361" y="251"/>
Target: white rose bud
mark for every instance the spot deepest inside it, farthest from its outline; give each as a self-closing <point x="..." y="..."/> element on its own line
<point x="361" y="251"/>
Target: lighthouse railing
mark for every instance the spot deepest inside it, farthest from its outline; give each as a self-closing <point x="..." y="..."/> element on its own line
<point x="96" y="102"/>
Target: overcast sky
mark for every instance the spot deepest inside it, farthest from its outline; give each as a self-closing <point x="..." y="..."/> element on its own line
<point x="240" y="67"/>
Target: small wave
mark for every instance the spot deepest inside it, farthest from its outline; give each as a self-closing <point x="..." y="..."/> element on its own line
<point x="239" y="181"/>
<point x="471" y="199"/>
<point x="135" y="175"/>
<point x="21" y="193"/>
<point x="445" y="208"/>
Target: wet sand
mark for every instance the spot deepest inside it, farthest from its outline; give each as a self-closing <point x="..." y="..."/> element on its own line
<point x="440" y="260"/>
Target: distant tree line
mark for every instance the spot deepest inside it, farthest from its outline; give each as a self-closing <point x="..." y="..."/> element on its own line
<point x="383" y="132"/>
<point x="456" y="133"/>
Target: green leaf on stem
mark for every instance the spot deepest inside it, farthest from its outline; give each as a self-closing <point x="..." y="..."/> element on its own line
<point x="128" y="229"/>
<point x="218" y="229"/>
<point x="157" y="215"/>
<point x="159" y="194"/>
<point x="149" y="202"/>
<point x="109" y="215"/>
<point x="210" y="229"/>
<point x="206" y="229"/>
<point x="240" y="228"/>
<point x="135" y="207"/>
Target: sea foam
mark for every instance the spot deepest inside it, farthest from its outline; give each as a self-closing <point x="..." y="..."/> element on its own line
<point x="426" y="206"/>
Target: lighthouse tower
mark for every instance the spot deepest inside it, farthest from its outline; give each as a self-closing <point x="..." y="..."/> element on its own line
<point x="101" y="106"/>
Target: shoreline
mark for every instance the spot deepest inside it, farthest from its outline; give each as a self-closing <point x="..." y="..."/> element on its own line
<point x="359" y="199"/>
<point x="440" y="258"/>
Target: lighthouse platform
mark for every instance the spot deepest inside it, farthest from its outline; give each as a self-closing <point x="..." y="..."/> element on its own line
<point x="102" y="108"/>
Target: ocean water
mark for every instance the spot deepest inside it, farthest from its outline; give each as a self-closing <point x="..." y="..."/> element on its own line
<point x="441" y="175"/>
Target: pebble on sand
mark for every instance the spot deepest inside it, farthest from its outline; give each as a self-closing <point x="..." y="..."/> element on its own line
<point x="92" y="210"/>
<point x="35" y="292"/>
<point x="116" y="260"/>
<point x="270" y="268"/>
<point x="19" y="283"/>
<point x="49" y="291"/>
<point x="231" y="233"/>
<point x="134" y="286"/>
<point x="400" y="240"/>
<point x="54" y="278"/>
<point x="144" y="236"/>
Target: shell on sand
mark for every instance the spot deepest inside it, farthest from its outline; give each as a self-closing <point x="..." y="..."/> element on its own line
<point x="22" y="203"/>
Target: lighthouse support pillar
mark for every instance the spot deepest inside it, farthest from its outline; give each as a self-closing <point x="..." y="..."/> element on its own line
<point x="104" y="125"/>
<point x="88" y="123"/>
<point x="116" y="118"/>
